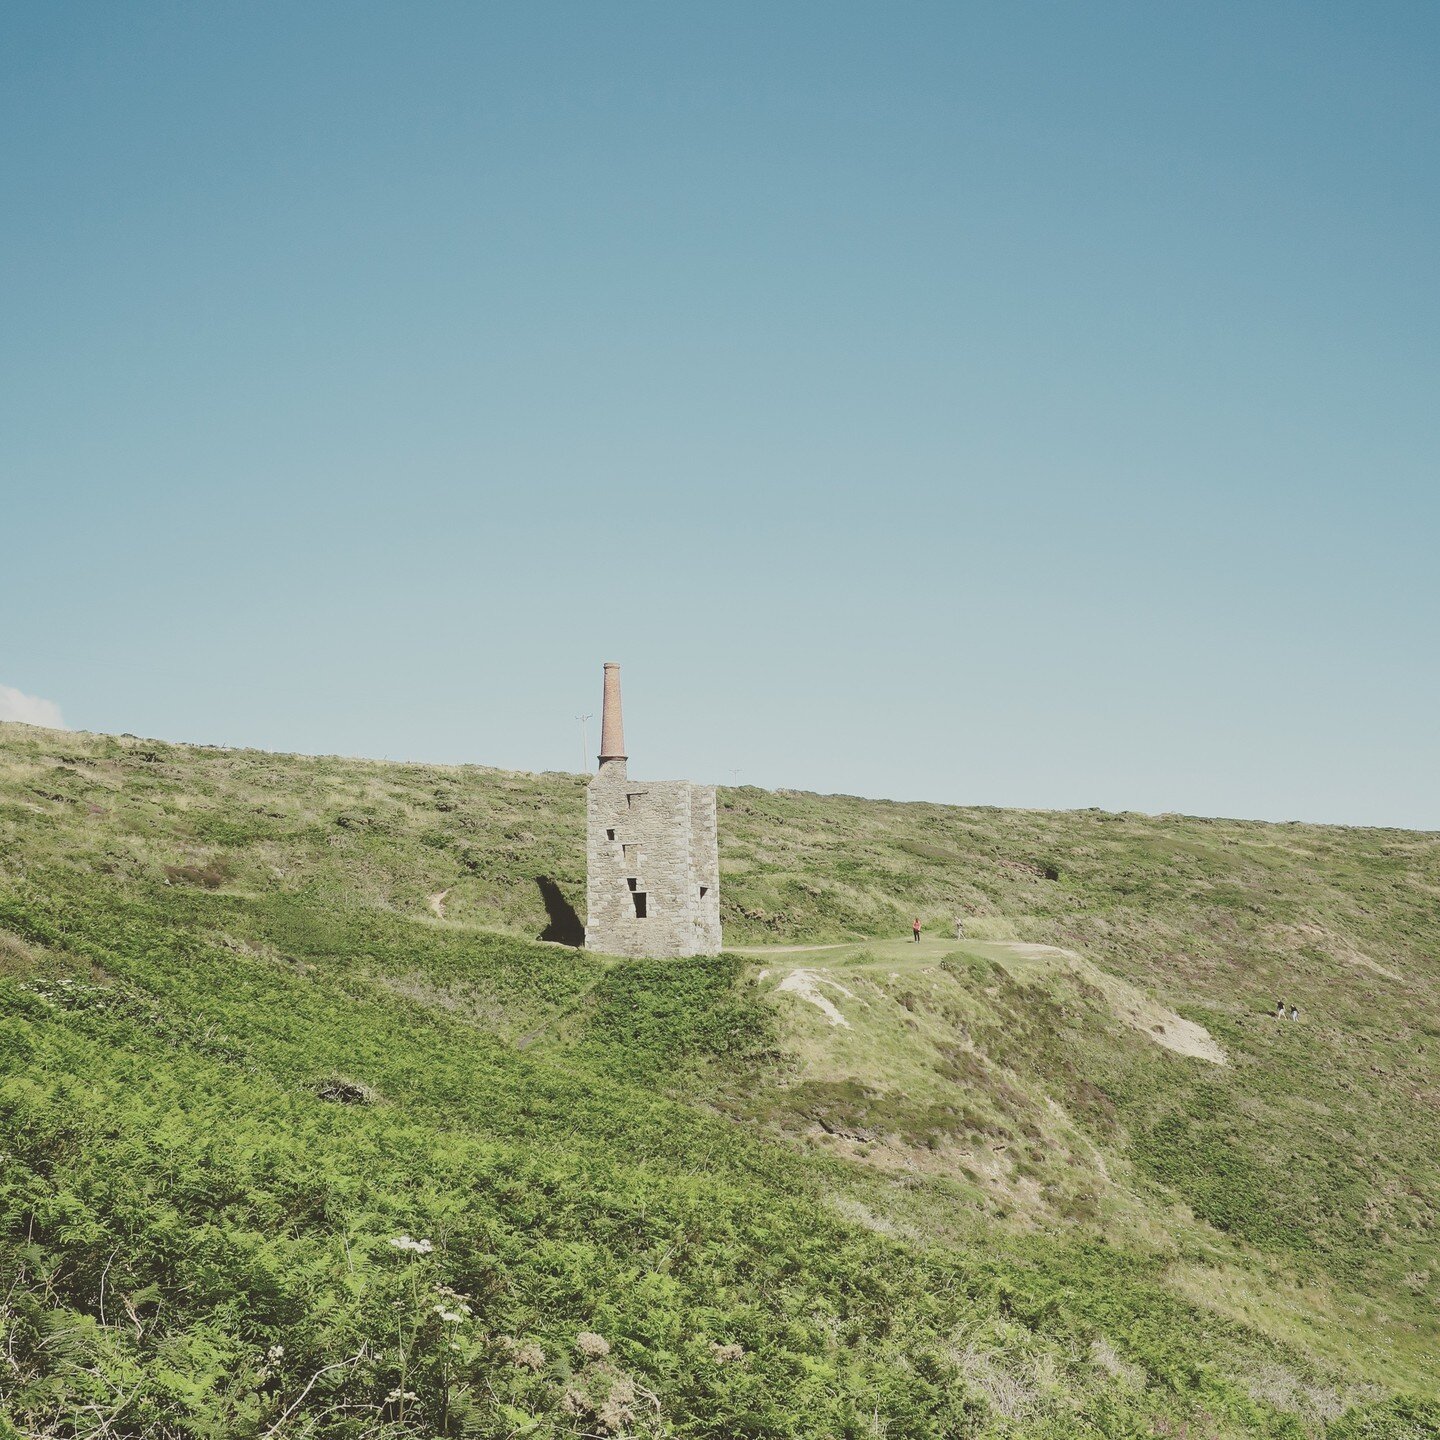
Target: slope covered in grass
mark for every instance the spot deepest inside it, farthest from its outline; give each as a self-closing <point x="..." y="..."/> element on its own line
<point x="306" y="1133"/>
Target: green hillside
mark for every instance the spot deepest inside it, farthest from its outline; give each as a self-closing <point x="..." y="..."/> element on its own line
<point x="312" y="1124"/>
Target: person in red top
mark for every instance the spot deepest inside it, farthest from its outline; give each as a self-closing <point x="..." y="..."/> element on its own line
<point x="916" y="928"/>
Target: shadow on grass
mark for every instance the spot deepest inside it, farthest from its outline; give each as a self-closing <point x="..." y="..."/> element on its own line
<point x="564" y="927"/>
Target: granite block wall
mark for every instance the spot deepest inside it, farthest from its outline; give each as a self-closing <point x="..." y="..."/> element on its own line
<point x="653" y="870"/>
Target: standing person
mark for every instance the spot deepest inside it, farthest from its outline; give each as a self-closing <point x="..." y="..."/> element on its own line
<point x="916" y="928"/>
<point x="1279" y="1009"/>
<point x="959" y="929"/>
<point x="1294" y="1012"/>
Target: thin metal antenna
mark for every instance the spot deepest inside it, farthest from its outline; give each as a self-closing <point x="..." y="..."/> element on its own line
<point x="735" y="778"/>
<point x="584" y="743"/>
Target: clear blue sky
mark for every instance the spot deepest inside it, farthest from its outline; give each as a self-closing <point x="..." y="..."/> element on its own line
<point x="1026" y="404"/>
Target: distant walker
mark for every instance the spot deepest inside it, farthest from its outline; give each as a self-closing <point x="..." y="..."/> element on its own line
<point x="653" y="866"/>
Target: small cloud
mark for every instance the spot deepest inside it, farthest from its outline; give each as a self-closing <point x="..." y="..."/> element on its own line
<point x="30" y="709"/>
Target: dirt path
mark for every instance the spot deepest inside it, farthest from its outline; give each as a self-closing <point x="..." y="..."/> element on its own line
<point x="436" y="902"/>
<point x="786" y="949"/>
<point x="857" y="954"/>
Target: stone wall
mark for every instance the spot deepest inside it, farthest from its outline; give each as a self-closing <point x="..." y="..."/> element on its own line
<point x="705" y="869"/>
<point x="651" y="848"/>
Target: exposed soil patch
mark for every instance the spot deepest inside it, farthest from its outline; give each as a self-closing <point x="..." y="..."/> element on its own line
<point x="1134" y="1007"/>
<point x="806" y="984"/>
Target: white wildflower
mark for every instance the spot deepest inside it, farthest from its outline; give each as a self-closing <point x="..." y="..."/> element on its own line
<point x="529" y="1355"/>
<point x="415" y="1247"/>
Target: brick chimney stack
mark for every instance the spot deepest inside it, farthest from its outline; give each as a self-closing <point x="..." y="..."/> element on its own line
<point x="612" y="726"/>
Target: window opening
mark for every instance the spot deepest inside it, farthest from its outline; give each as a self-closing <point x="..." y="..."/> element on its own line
<point x="609" y="834"/>
<point x="704" y="891"/>
<point x="632" y="801"/>
<point x="630" y="853"/>
<point x="639" y="898"/>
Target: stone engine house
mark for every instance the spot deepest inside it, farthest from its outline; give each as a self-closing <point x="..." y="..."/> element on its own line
<point x="652" y="886"/>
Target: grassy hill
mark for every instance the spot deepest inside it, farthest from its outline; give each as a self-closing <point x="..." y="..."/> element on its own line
<point x="309" y="1127"/>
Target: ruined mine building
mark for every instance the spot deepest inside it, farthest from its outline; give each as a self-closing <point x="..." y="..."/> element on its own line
<point x="653" y="869"/>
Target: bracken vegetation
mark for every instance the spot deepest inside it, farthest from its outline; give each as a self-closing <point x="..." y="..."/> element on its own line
<point x="306" y="1131"/>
